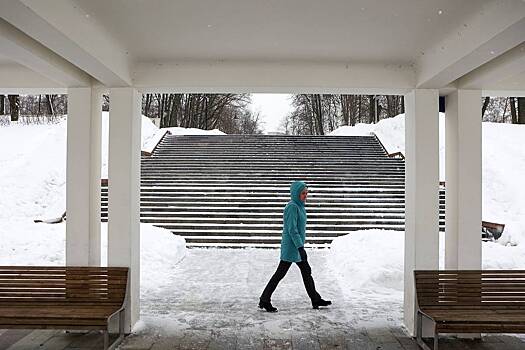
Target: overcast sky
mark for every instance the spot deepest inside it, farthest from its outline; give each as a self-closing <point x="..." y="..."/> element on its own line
<point x="273" y="107"/>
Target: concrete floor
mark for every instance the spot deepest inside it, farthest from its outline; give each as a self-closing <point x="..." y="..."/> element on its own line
<point x="209" y="301"/>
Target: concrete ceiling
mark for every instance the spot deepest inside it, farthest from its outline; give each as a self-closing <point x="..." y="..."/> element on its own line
<point x="291" y="46"/>
<point x="393" y="32"/>
<point x="5" y="60"/>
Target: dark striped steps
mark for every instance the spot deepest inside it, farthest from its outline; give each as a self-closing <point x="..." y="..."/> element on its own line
<point x="230" y="190"/>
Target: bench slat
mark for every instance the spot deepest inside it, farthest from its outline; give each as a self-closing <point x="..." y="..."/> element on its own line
<point x="466" y="301"/>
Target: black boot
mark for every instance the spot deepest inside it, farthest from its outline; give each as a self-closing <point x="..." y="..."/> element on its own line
<point x="267" y="306"/>
<point x="320" y="302"/>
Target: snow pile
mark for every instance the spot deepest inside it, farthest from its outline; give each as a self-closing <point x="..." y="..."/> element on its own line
<point x="503" y="171"/>
<point x="371" y="262"/>
<point x="192" y="131"/>
<point x="23" y="242"/>
<point x="150" y="136"/>
<point x="391" y="133"/>
<point x="503" y="167"/>
<point x="32" y="169"/>
<point x="355" y="262"/>
<point x="33" y="164"/>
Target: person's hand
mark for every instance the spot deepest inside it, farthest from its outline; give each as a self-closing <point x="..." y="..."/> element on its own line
<point x="302" y="253"/>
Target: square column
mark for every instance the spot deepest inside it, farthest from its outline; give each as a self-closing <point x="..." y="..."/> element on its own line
<point x="84" y="125"/>
<point x="124" y="191"/>
<point x="421" y="191"/>
<point x="463" y="127"/>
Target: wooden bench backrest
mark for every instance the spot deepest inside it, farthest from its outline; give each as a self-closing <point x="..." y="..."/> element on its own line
<point x="466" y="288"/>
<point x="53" y="284"/>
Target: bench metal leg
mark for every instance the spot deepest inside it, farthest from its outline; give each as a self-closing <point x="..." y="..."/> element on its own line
<point x="419" y="333"/>
<point x="120" y="333"/>
<point x="106" y="339"/>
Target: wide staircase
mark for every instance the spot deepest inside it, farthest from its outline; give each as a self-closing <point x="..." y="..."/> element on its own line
<point x="230" y="190"/>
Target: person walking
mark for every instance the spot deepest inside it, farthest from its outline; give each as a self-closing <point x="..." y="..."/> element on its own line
<point x="292" y="249"/>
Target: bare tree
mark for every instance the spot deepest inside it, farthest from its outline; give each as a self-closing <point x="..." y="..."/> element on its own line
<point x="514" y="116"/>
<point x="521" y="110"/>
<point x="485" y="105"/>
<point x="14" y="106"/>
<point x="203" y="111"/>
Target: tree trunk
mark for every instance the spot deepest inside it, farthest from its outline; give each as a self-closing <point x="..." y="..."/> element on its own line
<point x="485" y="105"/>
<point x="371" y="109"/>
<point x="2" y="105"/>
<point x="521" y="110"/>
<point x="39" y="102"/>
<point x="50" y="107"/>
<point x="14" y="106"/>
<point x="514" y="116"/>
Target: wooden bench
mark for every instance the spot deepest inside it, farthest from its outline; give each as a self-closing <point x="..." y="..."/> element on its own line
<point x="43" y="297"/>
<point x="463" y="301"/>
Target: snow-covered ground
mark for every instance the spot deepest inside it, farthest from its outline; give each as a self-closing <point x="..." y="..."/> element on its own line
<point x="503" y="167"/>
<point x="33" y="185"/>
<point x="354" y="257"/>
<point x="32" y="173"/>
<point x="23" y="242"/>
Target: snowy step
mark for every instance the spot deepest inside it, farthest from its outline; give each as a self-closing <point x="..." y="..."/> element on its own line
<point x="250" y="240"/>
<point x="282" y="202"/>
<point x="263" y="210"/>
<point x="275" y="232"/>
<point x="271" y="195"/>
<point x="239" y="228"/>
<point x="313" y="204"/>
<point x="251" y="245"/>
<point x="230" y="190"/>
<point x="265" y="213"/>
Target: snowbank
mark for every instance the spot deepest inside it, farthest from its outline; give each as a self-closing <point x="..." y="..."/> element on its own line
<point x="391" y="133"/>
<point x="32" y="169"/>
<point x="33" y="164"/>
<point x="354" y="260"/>
<point x="193" y="131"/>
<point x="372" y="261"/>
<point x="503" y="167"/>
<point x="23" y="242"/>
<point x="150" y="135"/>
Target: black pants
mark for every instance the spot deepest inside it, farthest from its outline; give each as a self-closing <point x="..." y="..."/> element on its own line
<point x="282" y="269"/>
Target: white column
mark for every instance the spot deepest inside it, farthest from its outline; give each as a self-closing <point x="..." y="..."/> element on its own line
<point x="124" y="190"/>
<point x="463" y="180"/>
<point x="83" y="177"/>
<point x="421" y="191"/>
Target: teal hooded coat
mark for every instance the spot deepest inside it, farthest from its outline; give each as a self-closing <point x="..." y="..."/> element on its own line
<point x="294" y="224"/>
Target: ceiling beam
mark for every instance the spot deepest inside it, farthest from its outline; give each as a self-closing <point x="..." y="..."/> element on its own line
<point x="273" y="77"/>
<point x="65" y="29"/>
<point x="20" y="48"/>
<point x="491" y="31"/>
<point x="503" y="93"/>
<point x="17" y="79"/>
<point x="504" y="67"/>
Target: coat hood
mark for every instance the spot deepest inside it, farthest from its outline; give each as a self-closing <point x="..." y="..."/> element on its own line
<point x="295" y="190"/>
